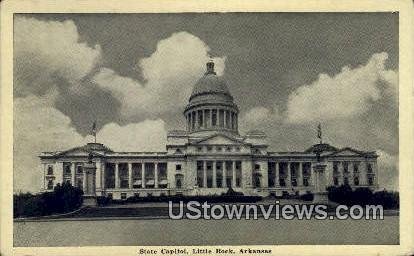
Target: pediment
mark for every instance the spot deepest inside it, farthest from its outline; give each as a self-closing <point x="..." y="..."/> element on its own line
<point x="76" y="152"/>
<point x="219" y="139"/>
<point x="347" y="152"/>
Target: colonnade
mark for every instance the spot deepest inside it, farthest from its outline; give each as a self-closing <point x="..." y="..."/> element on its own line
<point x="235" y="167"/>
<point x="212" y="118"/>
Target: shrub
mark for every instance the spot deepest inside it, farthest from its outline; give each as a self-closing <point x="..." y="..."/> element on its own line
<point x="306" y="197"/>
<point x="363" y="196"/>
<point x="64" y="198"/>
<point x="389" y="200"/>
<point x="341" y="194"/>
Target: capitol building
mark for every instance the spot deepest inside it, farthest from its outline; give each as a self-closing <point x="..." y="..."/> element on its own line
<point x="208" y="158"/>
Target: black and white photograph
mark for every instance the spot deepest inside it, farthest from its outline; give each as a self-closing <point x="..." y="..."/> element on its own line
<point x="206" y="129"/>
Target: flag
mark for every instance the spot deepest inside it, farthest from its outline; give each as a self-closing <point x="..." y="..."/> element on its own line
<point x="320" y="133"/>
<point x="94" y="128"/>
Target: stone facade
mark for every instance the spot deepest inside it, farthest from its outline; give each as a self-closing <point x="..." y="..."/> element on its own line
<point x="209" y="157"/>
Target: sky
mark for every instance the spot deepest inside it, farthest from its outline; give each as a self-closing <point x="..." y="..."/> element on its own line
<point x="133" y="73"/>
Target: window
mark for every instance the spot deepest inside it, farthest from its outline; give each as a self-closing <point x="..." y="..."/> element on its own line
<point x="228" y="149"/>
<point x="346" y="181"/>
<point x="200" y="174"/>
<point x="123" y="175"/>
<point x="149" y="175"/>
<point x="356" y="165"/>
<point x="219" y="149"/>
<point x="305" y="182"/>
<point x="136" y="194"/>
<point x="179" y="181"/>
<point x="178" y="167"/>
<point x="50" y="184"/>
<point x="67" y="170"/>
<point x="209" y="174"/>
<point x="294" y="182"/>
<point x="345" y="166"/>
<point x="257" y="167"/>
<point x="282" y="182"/>
<point x="123" y="196"/>
<point x="335" y="167"/>
<point x="238" y="149"/>
<point x="136" y="175"/>
<point x="271" y="174"/>
<point x="335" y="181"/>
<point x="79" y="182"/>
<point x="199" y="149"/>
<point x="50" y="170"/>
<point x="110" y="195"/>
<point x="356" y="181"/>
<point x="369" y="168"/>
<point x="238" y="173"/>
<point x="209" y="148"/>
<point x="256" y="181"/>
<point x="370" y="181"/>
<point x="214" y="117"/>
<point x="110" y="175"/>
<point x="219" y="174"/>
<point x="79" y="169"/>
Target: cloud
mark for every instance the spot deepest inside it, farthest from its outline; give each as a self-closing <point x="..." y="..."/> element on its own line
<point x="170" y="74"/>
<point x="47" y="52"/>
<point x="347" y="94"/>
<point x="148" y="135"/>
<point x="388" y="170"/>
<point x="358" y="108"/>
<point x="260" y="118"/>
<point x="38" y="127"/>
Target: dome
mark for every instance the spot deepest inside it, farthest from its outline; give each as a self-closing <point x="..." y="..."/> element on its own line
<point x="211" y="108"/>
<point x="210" y="83"/>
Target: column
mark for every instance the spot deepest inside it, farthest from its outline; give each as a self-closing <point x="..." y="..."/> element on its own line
<point x="204" y="174"/>
<point x="277" y="174"/>
<point x="375" y="171"/>
<point x="288" y="176"/>
<point x="188" y="122"/>
<point x="233" y="168"/>
<point x="341" y="173"/>
<point x="143" y="174"/>
<point x="73" y="173"/>
<point x="300" y="174"/>
<point x="196" y="119"/>
<point x="214" y="174"/>
<point x="204" y="119"/>
<point x="130" y="175"/>
<point x="224" y="178"/>
<point x="98" y="174"/>
<point x="156" y="175"/>
<point x="84" y="182"/>
<point x="218" y="118"/>
<point x="211" y="117"/>
<point x="103" y="175"/>
<point x="44" y="176"/>
<point x="237" y="121"/>
<point x="116" y="176"/>
<point x="225" y="118"/>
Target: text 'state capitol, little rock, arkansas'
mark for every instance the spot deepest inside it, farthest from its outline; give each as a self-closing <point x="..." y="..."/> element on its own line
<point x="208" y="158"/>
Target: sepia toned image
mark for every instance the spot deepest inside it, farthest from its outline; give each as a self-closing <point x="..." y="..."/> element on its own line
<point x="206" y="128"/>
<point x="116" y="115"/>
